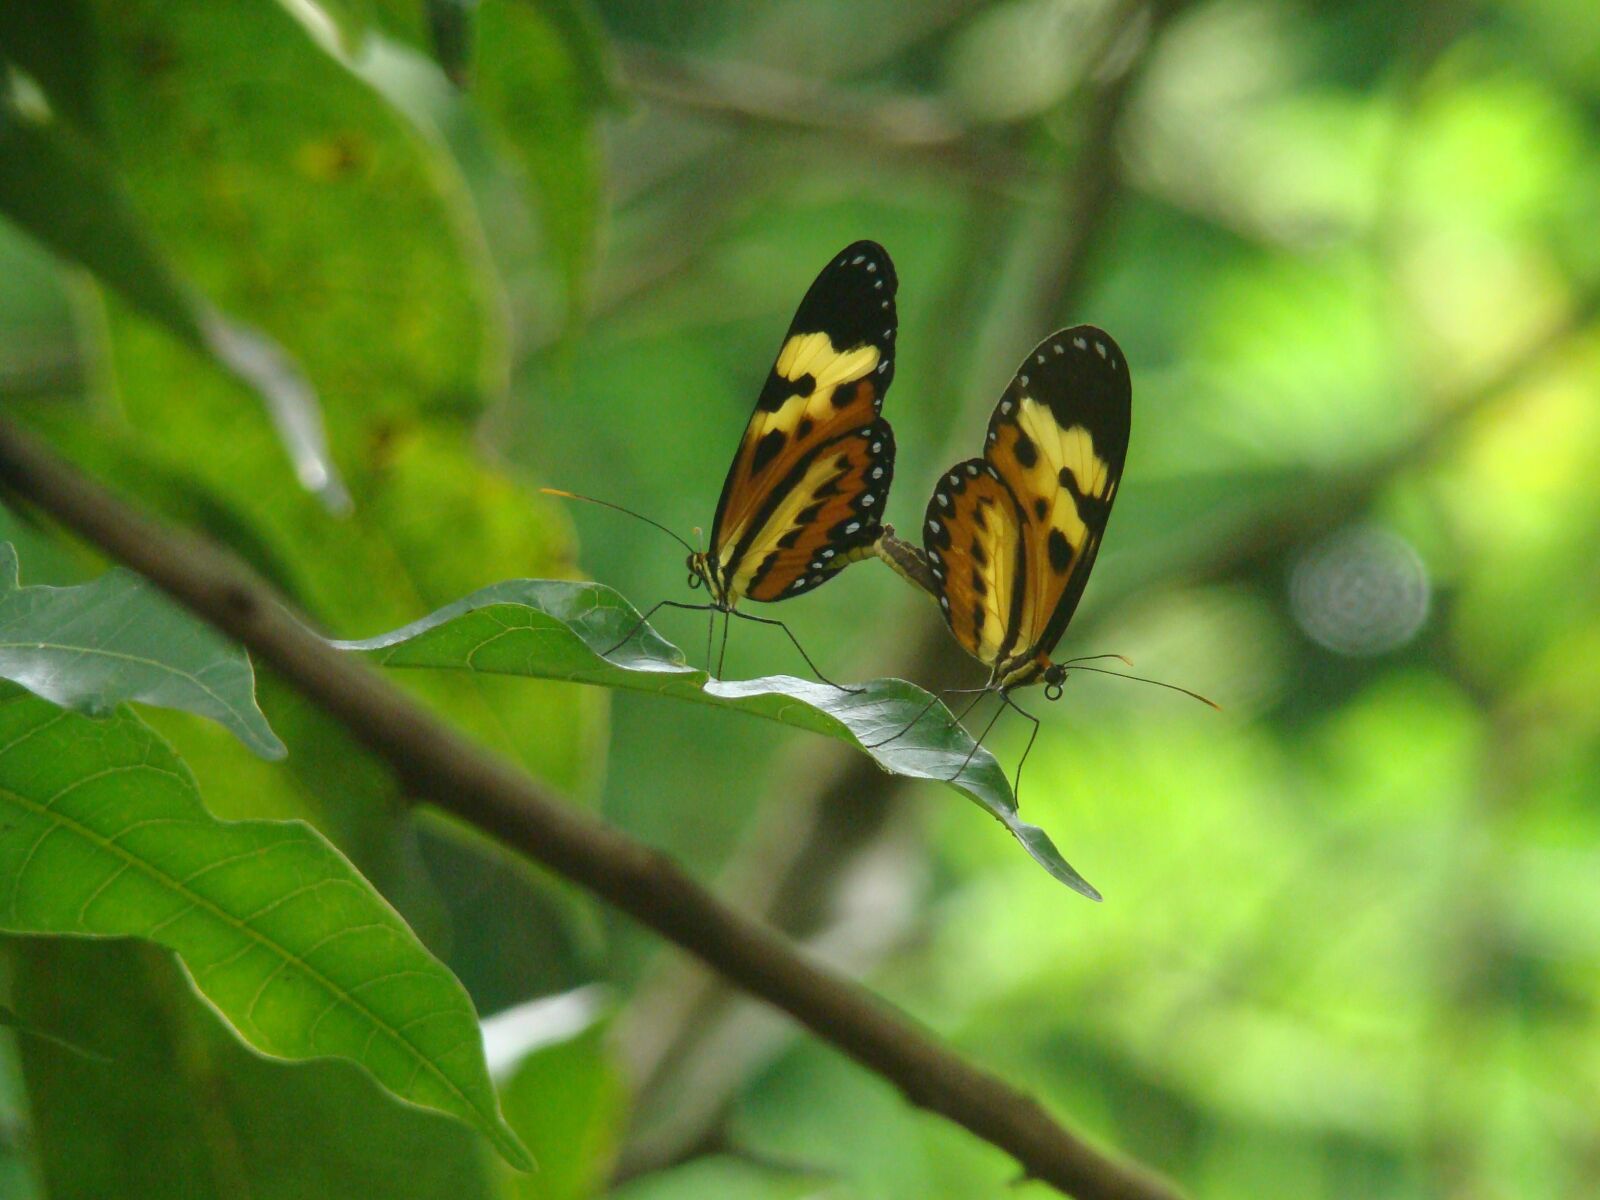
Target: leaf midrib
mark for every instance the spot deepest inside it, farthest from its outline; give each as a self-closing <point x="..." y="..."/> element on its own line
<point x="205" y="904"/>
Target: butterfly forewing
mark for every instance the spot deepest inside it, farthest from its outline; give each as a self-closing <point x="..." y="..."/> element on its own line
<point x="1056" y="445"/>
<point x="788" y="496"/>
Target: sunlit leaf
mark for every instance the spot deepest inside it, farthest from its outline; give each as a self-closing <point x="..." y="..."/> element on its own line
<point x="554" y="629"/>
<point x="97" y="645"/>
<point x="102" y="833"/>
<point x="56" y="185"/>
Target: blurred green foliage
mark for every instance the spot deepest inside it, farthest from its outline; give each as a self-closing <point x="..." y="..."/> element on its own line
<point x="1351" y="941"/>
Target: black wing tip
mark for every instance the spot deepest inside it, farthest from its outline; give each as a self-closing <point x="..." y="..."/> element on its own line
<point x="852" y="300"/>
<point x="868" y="251"/>
<point x="1075" y="346"/>
<point x="1083" y="375"/>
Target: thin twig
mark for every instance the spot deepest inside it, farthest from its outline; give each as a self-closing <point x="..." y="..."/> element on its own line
<point x="443" y="767"/>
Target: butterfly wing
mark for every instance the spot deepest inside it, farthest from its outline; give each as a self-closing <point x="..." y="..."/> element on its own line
<point x="1025" y="521"/>
<point x="809" y="481"/>
<point x="972" y="533"/>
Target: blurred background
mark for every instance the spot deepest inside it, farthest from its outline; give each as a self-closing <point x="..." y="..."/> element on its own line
<point x="1351" y="936"/>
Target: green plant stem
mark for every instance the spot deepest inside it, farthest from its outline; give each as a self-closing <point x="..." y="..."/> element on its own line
<point x="444" y="768"/>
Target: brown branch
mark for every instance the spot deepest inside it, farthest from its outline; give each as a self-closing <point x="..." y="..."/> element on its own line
<point x="443" y="767"/>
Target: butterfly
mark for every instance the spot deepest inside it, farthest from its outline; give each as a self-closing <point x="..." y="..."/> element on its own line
<point x="1009" y="538"/>
<point x="804" y="495"/>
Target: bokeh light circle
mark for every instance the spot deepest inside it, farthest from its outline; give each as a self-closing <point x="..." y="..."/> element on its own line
<point x="1362" y="591"/>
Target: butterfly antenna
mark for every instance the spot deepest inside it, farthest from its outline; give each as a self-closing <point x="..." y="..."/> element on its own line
<point x="607" y="504"/>
<point x="1121" y="658"/>
<point x="1158" y="683"/>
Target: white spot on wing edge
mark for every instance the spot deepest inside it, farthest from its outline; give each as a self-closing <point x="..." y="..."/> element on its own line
<point x="1100" y="348"/>
<point x="858" y="260"/>
<point x="1081" y="343"/>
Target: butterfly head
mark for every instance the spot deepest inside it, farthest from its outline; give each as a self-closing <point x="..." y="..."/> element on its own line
<point x="702" y="573"/>
<point x="1055" y="675"/>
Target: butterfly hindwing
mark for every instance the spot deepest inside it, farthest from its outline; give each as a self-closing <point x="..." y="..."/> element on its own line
<point x="828" y="517"/>
<point x="971" y="533"/>
<point x="1056" y="445"/>
<point x="827" y="384"/>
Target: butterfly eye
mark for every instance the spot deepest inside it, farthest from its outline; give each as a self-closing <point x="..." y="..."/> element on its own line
<point x="1054" y="677"/>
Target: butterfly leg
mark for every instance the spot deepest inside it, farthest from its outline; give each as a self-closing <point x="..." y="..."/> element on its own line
<point x="796" y="642"/>
<point x="1016" y="784"/>
<point x="966" y="762"/>
<point x="976" y="693"/>
<point x="722" y="654"/>
<point x="908" y="726"/>
<point x="644" y="620"/>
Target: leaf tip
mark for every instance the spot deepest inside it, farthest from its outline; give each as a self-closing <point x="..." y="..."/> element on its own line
<point x="510" y="1147"/>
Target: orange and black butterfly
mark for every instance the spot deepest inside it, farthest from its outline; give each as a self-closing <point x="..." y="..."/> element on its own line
<point x="1010" y="537"/>
<point x="806" y="491"/>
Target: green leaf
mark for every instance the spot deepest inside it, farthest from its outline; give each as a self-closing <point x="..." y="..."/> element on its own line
<point x="169" y="1103"/>
<point x="56" y="184"/>
<point x="567" y="1100"/>
<point x="542" y="75"/>
<point x="555" y="629"/>
<point x="100" y="644"/>
<point x="102" y="833"/>
<point x="723" y="1175"/>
